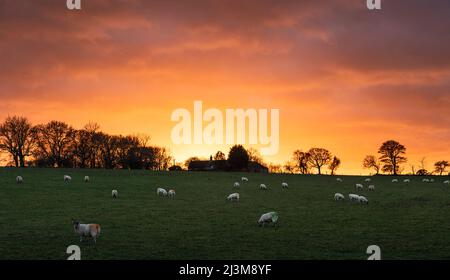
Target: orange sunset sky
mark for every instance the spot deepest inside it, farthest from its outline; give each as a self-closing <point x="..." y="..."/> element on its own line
<point x="344" y="78"/>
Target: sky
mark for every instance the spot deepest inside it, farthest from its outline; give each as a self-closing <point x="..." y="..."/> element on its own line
<point x="343" y="77"/>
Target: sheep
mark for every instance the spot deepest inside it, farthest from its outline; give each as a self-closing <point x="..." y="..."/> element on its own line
<point x="271" y="217"/>
<point x="86" y="179"/>
<point x="371" y="187"/>
<point x="19" y="179"/>
<point x="244" y="179"/>
<point x="394" y="180"/>
<point x="114" y="194"/>
<point x="363" y="200"/>
<point x="263" y="187"/>
<point x="367" y="180"/>
<point x="67" y="178"/>
<point x="432" y="181"/>
<point x="426" y="180"/>
<point x="447" y="182"/>
<point x="359" y="187"/>
<point x="92" y="230"/>
<point x="172" y="193"/>
<point x="407" y="181"/>
<point x="352" y="197"/>
<point x="233" y="197"/>
<point x="339" y="196"/>
<point x="284" y="185"/>
<point x="236" y="185"/>
<point x="339" y="180"/>
<point x="161" y="192"/>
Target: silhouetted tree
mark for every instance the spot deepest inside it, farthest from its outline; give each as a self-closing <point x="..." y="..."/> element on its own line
<point x="372" y="162"/>
<point x="441" y="166"/>
<point x="289" y="167"/>
<point x="318" y="157"/>
<point x="16" y="138"/>
<point x="254" y="155"/>
<point x="238" y="158"/>
<point x="301" y="161"/>
<point x="422" y="172"/>
<point x="392" y="155"/>
<point x="275" y="168"/>
<point x="189" y="160"/>
<point x="219" y="156"/>
<point x="334" y="165"/>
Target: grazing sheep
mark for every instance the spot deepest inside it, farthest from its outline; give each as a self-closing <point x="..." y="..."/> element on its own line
<point x="339" y="196"/>
<point x="92" y="230"/>
<point x="367" y="180"/>
<point x="284" y="185"/>
<point x="236" y="185"/>
<point x="394" y="180"/>
<point x="114" y="194"/>
<point x="363" y="200"/>
<point x="244" y="179"/>
<point x="352" y="197"/>
<point x="263" y="187"/>
<point x="371" y="187"/>
<point x="407" y="181"/>
<point x="172" y="193"/>
<point x="161" y="192"/>
<point x="233" y="197"/>
<point x="86" y="179"/>
<point x="271" y="217"/>
<point x="359" y="186"/>
<point x="426" y="180"/>
<point x="339" y="180"/>
<point x="19" y="179"/>
<point x="67" y="178"/>
<point x="447" y="182"/>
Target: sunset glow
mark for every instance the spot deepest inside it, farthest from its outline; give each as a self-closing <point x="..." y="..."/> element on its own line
<point x="343" y="77"/>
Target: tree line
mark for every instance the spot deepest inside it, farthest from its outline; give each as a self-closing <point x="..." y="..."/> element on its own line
<point x="57" y="144"/>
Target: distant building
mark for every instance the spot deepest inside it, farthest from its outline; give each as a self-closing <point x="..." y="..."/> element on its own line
<point x="222" y="165"/>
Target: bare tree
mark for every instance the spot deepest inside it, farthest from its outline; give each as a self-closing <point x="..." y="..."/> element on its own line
<point x="318" y="157"/>
<point x="441" y="166"/>
<point x="372" y="162"/>
<point x="254" y="155"/>
<point x="334" y="165"/>
<point x="289" y="167"/>
<point x="16" y="138"/>
<point x="301" y="160"/>
<point x="392" y="155"/>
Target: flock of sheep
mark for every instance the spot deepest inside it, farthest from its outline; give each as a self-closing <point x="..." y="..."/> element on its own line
<point x="93" y="230"/>
<point x="362" y="199"/>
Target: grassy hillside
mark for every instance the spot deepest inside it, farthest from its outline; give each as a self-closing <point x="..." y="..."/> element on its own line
<point x="406" y="221"/>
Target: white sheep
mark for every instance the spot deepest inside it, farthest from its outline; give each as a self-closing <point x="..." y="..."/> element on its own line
<point x="339" y="196"/>
<point x="394" y="180"/>
<point x="114" y="194"/>
<point x="407" y="181"/>
<point x="86" y="179"/>
<point x="67" y="178"/>
<point x="19" y="179"/>
<point x="339" y="180"/>
<point x="284" y="185"/>
<point x="426" y="180"/>
<point x="236" y="185"/>
<point x="447" y="182"/>
<point x="161" y="192"/>
<point x="367" y="180"/>
<point x="233" y="197"/>
<point x="172" y="193"/>
<point x="263" y="187"/>
<point x="371" y="187"/>
<point x="244" y="179"/>
<point x="359" y="186"/>
<point x="271" y="217"/>
<point x="352" y="197"/>
<point x="363" y="200"/>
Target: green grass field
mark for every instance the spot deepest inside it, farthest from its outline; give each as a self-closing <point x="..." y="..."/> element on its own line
<point x="406" y="221"/>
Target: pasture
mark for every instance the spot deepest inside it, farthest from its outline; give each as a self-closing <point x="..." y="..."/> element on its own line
<point x="406" y="221"/>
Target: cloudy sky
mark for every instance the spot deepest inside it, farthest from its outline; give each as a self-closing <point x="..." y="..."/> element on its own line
<point x="344" y="78"/>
